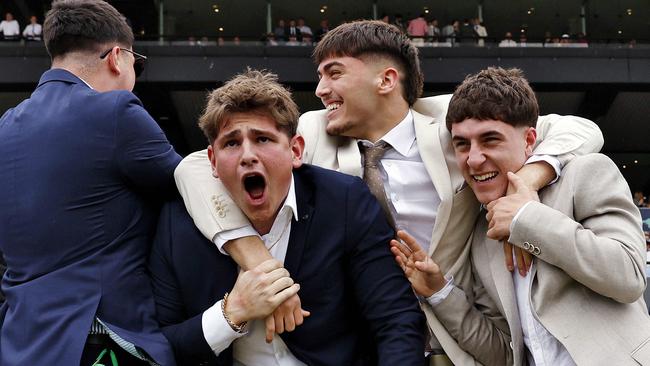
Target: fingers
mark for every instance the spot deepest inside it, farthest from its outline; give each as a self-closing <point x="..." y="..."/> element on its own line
<point x="275" y="275"/>
<point x="517" y="183"/>
<point x="270" y="328"/>
<point x="268" y="265"/>
<point x="409" y="241"/>
<point x="397" y="249"/>
<point x="279" y="323"/>
<point x="507" y="253"/>
<point x="528" y="260"/>
<point x="279" y="285"/>
<point x="283" y="295"/>
<point x="519" y="254"/>
<point x="427" y="266"/>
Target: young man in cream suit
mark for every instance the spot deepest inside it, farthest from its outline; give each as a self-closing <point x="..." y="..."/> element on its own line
<point x="581" y="303"/>
<point x="370" y="82"/>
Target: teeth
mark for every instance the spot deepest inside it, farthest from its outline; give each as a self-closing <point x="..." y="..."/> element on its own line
<point x="333" y="106"/>
<point x="484" y="177"/>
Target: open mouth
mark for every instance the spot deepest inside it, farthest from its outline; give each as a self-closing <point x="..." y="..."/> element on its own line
<point x="333" y="106"/>
<point x="485" y="177"/>
<point x="254" y="184"/>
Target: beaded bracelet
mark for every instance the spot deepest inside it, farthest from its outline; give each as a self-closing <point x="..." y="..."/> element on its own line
<point x="239" y="328"/>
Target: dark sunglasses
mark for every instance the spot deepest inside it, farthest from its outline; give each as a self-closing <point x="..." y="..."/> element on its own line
<point x="138" y="64"/>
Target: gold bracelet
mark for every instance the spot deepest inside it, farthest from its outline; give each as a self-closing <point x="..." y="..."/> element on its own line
<point x="239" y="328"/>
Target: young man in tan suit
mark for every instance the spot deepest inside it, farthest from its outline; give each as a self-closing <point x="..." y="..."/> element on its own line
<point x="370" y="82"/>
<point x="581" y="302"/>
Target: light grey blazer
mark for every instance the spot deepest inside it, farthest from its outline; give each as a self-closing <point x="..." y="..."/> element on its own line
<point x="589" y="273"/>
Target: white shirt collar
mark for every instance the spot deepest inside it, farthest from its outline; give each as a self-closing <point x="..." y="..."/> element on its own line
<point x="402" y="136"/>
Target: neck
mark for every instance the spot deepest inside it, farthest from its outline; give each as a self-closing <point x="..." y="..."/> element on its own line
<point x="389" y="115"/>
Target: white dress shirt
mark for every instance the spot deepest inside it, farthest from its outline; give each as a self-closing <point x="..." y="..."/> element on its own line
<point x="10" y="29"/>
<point x="33" y="31"/>
<point x="543" y="348"/>
<point x="250" y="348"/>
<point x="412" y="198"/>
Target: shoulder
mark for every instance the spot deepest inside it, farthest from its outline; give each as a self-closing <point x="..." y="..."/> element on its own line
<point x="433" y="106"/>
<point x="325" y="179"/>
<point x="590" y="165"/>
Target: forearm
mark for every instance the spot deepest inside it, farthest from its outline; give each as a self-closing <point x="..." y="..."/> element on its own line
<point x="604" y="253"/>
<point x="537" y="175"/>
<point x="247" y="252"/>
<point x="567" y="136"/>
<point x="483" y="335"/>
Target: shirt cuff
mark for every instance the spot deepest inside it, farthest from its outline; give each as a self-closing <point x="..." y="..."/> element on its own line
<point x="216" y="331"/>
<point x="225" y="236"/>
<point x="551" y="160"/>
<point x="442" y="294"/>
<point x="514" y="219"/>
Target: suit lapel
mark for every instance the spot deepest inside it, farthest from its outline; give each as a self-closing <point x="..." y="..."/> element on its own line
<point x="300" y="228"/>
<point x="427" y="133"/>
<point x="349" y="157"/>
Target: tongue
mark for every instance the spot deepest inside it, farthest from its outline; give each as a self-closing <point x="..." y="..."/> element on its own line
<point x="256" y="192"/>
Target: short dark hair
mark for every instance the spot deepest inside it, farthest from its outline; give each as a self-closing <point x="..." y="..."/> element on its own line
<point x="84" y="25"/>
<point x="250" y="91"/>
<point x="494" y="94"/>
<point x="375" y="38"/>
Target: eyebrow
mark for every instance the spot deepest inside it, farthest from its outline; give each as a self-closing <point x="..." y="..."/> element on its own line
<point x="231" y="134"/>
<point x="329" y="65"/>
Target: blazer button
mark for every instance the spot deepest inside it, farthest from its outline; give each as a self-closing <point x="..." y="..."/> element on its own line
<point x="537" y="251"/>
<point x="511" y="346"/>
<point x="526" y="245"/>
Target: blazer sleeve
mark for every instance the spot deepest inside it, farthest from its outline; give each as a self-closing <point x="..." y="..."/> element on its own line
<point x="383" y="293"/>
<point x="206" y="198"/>
<point x="143" y="154"/>
<point x="602" y="245"/>
<point x="477" y="326"/>
<point x="567" y="136"/>
<point x="185" y="335"/>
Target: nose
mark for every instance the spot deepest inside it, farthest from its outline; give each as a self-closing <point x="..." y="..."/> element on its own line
<point x="322" y="89"/>
<point x="248" y="155"/>
<point x="476" y="157"/>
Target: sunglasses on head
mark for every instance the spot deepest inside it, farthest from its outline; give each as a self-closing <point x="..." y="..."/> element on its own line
<point x="138" y="64"/>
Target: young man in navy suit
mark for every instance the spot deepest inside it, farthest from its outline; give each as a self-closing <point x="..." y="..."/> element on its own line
<point x="324" y="227"/>
<point x="75" y="226"/>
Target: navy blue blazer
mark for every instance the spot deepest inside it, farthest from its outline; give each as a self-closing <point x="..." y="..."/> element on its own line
<point x="363" y="311"/>
<point x="75" y="223"/>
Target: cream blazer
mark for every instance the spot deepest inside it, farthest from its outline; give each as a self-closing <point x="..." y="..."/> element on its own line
<point x="589" y="275"/>
<point x="213" y="210"/>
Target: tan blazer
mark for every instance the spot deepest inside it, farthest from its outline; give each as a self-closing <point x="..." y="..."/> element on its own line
<point x="589" y="274"/>
<point x="213" y="211"/>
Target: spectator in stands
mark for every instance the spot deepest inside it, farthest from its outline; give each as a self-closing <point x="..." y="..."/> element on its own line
<point x="467" y="33"/>
<point x="270" y="39"/>
<point x="480" y="30"/>
<point x="565" y="38"/>
<point x="292" y="30"/>
<point x="33" y="30"/>
<point x="280" y="30"/>
<point x="523" y="40"/>
<point x="548" y="38"/>
<point x="450" y="31"/>
<point x="418" y="29"/>
<point x="292" y="41"/>
<point x="304" y="28"/>
<point x="399" y="22"/>
<point x="508" y="41"/>
<point x="639" y="199"/>
<point x="324" y="28"/>
<point x="433" y="32"/>
<point x="10" y="28"/>
<point x="582" y="38"/>
<point x="385" y="18"/>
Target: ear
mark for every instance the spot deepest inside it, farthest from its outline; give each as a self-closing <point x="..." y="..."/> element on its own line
<point x="388" y="80"/>
<point x="297" y="147"/>
<point x="213" y="161"/>
<point x="531" y="138"/>
<point x="114" y="60"/>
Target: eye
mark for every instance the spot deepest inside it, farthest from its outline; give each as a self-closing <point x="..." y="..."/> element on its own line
<point x="263" y="139"/>
<point x="230" y="143"/>
<point x="335" y="74"/>
<point x="460" y="145"/>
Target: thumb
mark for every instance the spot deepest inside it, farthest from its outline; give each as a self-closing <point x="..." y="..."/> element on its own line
<point x="517" y="183"/>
